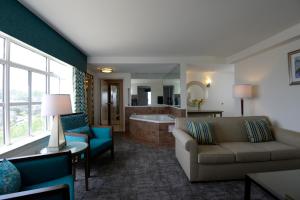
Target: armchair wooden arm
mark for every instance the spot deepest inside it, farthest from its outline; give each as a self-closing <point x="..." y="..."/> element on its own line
<point x="57" y="192"/>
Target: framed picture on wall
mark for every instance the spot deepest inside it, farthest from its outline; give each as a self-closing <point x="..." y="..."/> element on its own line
<point x="294" y="67"/>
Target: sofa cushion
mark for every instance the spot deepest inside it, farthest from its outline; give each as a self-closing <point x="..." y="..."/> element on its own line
<point x="201" y="131"/>
<point x="214" y="154"/>
<point x="10" y="178"/>
<point x="247" y="152"/>
<point x="258" y="130"/>
<point x="68" y="180"/>
<point x="279" y="151"/>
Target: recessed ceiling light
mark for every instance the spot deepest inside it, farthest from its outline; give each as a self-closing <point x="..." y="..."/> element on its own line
<point x="105" y="69"/>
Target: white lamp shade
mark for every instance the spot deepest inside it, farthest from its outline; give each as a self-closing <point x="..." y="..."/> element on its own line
<point x="243" y="91"/>
<point x="56" y="104"/>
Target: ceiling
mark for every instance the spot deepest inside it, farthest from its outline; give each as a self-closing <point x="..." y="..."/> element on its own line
<point x="142" y="68"/>
<point x="211" y="68"/>
<point x="165" y="28"/>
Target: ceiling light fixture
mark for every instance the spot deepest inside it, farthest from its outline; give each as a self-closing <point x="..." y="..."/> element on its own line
<point x="105" y="69"/>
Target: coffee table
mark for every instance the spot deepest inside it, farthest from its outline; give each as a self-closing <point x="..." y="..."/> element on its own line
<point x="279" y="184"/>
<point x="77" y="149"/>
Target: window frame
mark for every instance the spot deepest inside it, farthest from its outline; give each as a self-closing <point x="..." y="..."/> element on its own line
<point x="7" y="104"/>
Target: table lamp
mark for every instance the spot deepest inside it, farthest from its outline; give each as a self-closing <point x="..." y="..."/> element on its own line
<point x="56" y="105"/>
<point x="242" y="91"/>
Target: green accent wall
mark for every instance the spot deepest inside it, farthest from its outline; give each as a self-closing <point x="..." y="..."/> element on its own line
<point x="17" y="21"/>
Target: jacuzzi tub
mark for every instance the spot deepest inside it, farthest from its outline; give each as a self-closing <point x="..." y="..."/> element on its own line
<point x="152" y="129"/>
<point x="158" y="118"/>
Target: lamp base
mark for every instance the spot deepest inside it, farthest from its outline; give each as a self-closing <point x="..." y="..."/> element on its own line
<point x="242" y="107"/>
<point x="57" y="138"/>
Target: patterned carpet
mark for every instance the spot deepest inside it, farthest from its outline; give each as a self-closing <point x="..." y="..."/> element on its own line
<point x="142" y="172"/>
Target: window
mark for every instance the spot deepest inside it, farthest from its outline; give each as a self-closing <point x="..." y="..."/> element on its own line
<point x="23" y="56"/>
<point x="61" y="82"/>
<point x="18" y="85"/>
<point x="38" y="87"/>
<point x="54" y="85"/>
<point x="38" y="122"/>
<point x="18" y="122"/>
<point x="1" y="48"/>
<point x="26" y="74"/>
<point x="1" y="106"/>
<point x="1" y="127"/>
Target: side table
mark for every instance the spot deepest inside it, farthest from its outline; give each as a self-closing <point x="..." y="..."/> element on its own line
<point x="77" y="149"/>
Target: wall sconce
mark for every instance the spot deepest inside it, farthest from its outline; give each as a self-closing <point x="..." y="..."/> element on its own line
<point x="208" y="82"/>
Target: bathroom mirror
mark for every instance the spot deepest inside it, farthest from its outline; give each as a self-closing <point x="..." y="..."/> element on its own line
<point x="196" y="91"/>
<point x="154" y="92"/>
<point x="156" y="89"/>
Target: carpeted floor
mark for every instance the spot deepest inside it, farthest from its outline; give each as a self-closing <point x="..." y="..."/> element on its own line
<point x="143" y="172"/>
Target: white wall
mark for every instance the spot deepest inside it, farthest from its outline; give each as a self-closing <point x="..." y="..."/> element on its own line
<point x="220" y="92"/>
<point x="275" y="97"/>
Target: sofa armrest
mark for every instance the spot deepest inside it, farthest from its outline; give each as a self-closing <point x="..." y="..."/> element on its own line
<point x="185" y="139"/>
<point x="287" y="137"/>
<point x="186" y="151"/>
<point x="53" y="192"/>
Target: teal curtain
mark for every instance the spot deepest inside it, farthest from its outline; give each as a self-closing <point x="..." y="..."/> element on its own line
<point x="79" y="91"/>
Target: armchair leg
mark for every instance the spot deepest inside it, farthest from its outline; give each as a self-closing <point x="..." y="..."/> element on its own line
<point x="74" y="171"/>
<point x="87" y="170"/>
<point x="88" y="166"/>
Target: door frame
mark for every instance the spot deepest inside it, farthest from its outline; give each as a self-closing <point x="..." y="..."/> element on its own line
<point x="122" y="108"/>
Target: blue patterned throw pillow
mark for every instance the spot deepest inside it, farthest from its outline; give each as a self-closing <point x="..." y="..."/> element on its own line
<point x="201" y="131"/>
<point x="10" y="178"/>
<point x="258" y="131"/>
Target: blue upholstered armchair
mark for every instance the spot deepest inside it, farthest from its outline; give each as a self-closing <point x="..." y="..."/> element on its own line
<point x="76" y="128"/>
<point x="44" y="177"/>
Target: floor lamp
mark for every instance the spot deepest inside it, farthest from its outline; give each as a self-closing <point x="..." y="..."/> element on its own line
<point x="242" y="91"/>
<point x="56" y="105"/>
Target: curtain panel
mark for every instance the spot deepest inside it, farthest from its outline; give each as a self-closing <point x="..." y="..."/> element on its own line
<point x="79" y="91"/>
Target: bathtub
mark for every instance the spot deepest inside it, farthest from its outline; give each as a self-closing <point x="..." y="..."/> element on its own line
<point x="152" y="129"/>
<point x="157" y="118"/>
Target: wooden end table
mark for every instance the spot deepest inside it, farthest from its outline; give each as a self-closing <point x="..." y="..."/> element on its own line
<point x="77" y="149"/>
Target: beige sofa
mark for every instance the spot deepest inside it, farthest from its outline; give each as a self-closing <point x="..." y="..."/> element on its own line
<point x="233" y="156"/>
